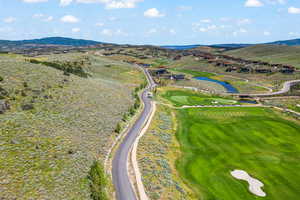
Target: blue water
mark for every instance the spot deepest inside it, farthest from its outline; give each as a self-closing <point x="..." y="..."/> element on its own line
<point x="227" y="86"/>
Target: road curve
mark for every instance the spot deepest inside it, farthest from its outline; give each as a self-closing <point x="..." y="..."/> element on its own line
<point x="286" y="87"/>
<point x="121" y="181"/>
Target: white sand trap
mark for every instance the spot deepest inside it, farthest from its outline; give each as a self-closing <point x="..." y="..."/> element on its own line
<point x="254" y="184"/>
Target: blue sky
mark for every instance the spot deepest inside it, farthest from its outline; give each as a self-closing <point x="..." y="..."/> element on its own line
<point x="157" y="22"/>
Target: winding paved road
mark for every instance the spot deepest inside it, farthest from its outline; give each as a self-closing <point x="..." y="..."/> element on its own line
<point x="286" y="87"/>
<point x="121" y="180"/>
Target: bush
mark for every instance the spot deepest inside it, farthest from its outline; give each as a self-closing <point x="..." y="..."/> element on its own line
<point x="1" y="79"/>
<point x="98" y="182"/>
<point x="132" y="111"/>
<point x="118" y="128"/>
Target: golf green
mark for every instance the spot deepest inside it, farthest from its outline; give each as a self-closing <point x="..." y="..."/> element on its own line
<point x="215" y="141"/>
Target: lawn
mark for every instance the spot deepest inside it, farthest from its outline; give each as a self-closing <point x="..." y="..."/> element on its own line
<point x="189" y="98"/>
<point x="215" y="141"/>
<point x="194" y="73"/>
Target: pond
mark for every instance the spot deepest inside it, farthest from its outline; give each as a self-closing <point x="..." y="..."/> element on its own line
<point x="227" y="86"/>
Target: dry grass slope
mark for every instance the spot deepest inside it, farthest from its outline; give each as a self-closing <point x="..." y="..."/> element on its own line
<point x="48" y="146"/>
<point x="270" y="53"/>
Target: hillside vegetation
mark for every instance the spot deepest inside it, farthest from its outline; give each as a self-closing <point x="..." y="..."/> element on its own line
<point x="270" y="53"/>
<point x="58" y="124"/>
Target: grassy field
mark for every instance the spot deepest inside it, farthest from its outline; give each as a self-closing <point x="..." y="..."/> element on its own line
<point x="189" y="98"/>
<point x="157" y="152"/>
<point x="193" y="72"/>
<point x="270" y="53"/>
<point x="215" y="141"/>
<point x="58" y="125"/>
<point x="288" y="103"/>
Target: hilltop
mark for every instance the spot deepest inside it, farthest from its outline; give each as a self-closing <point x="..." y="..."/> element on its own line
<point x="51" y="41"/>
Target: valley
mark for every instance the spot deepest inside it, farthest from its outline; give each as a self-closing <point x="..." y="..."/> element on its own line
<point x="71" y="115"/>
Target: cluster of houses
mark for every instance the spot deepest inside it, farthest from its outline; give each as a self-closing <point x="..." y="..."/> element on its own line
<point x="238" y="64"/>
<point x="163" y="73"/>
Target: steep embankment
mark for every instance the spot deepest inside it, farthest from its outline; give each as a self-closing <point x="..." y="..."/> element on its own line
<point x="58" y="124"/>
<point x="280" y="54"/>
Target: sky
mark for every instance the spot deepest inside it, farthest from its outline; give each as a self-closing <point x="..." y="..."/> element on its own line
<point x="157" y="22"/>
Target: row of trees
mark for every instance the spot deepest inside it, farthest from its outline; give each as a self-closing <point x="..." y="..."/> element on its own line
<point x="68" y="67"/>
<point x="132" y="110"/>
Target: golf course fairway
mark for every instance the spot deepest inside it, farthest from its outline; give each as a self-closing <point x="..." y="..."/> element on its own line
<point x="260" y="141"/>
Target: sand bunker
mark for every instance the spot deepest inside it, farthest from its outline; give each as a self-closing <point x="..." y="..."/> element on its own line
<point x="254" y="184"/>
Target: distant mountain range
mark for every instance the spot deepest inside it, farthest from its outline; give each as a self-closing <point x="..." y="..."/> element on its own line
<point x="80" y="42"/>
<point x="294" y="42"/>
<point x="50" y="41"/>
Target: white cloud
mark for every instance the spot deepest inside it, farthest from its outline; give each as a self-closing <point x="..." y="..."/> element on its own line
<point x="75" y="30"/>
<point x="99" y="24"/>
<point x="39" y="15"/>
<point x="253" y="3"/>
<point x="43" y="17"/>
<point x="295" y="34"/>
<point x="294" y="10"/>
<point x="172" y="31"/>
<point x="267" y="33"/>
<point x="69" y="19"/>
<point x="241" y="30"/>
<point x="243" y="21"/>
<point x="65" y="2"/>
<point x="198" y="28"/>
<point x="121" y="4"/>
<point x="113" y="4"/>
<point x="112" y="19"/>
<point x="152" y="31"/>
<point x="48" y="19"/>
<point x="153" y="13"/>
<point x="34" y="1"/>
<point x="206" y="21"/>
<point x="110" y="32"/>
<point x="9" y="20"/>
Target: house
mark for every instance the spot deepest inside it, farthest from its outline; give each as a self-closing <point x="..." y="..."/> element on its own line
<point x="286" y="69"/>
<point x="146" y="65"/>
<point x="178" y="77"/>
<point x="263" y="71"/>
<point x="160" y="71"/>
<point x="244" y="70"/>
<point x="178" y="57"/>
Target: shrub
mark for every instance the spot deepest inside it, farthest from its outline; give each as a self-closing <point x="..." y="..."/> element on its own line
<point x="118" y="128"/>
<point x="98" y="182"/>
<point x="132" y="111"/>
<point x="1" y="79"/>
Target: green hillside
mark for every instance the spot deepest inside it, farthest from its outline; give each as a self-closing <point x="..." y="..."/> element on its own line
<point x="58" y="123"/>
<point x="271" y="53"/>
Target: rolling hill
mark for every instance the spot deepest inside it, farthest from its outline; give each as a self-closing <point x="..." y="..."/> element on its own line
<point x="51" y="41"/>
<point x="294" y="42"/>
<point x="271" y="53"/>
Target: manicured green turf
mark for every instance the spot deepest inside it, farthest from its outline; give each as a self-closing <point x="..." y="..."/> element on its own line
<point x="215" y="141"/>
<point x="189" y="98"/>
<point x="193" y="72"/>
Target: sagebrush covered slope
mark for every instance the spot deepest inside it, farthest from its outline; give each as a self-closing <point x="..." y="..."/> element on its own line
<point x="280" y="54"/>
<point x="58" y="125"/>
